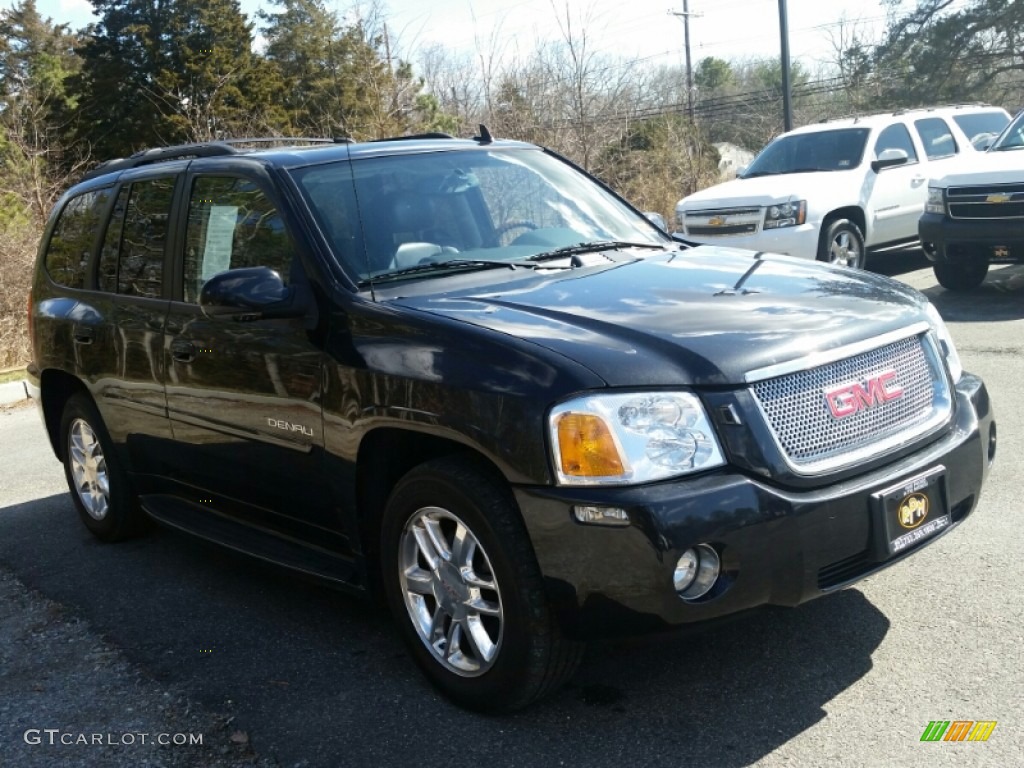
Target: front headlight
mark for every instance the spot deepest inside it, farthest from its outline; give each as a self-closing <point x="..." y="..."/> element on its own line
<point x="956" y="369"/>
<point x="935" y="202"/>
<point x="788" y="214"/>
<point x="621" y="439"/>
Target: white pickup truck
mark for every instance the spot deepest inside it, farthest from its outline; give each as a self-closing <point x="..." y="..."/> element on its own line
<point x="974" y="214"/>
<point x="836" y="190"/>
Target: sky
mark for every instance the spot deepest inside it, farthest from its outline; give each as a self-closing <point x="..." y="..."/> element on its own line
<point x="727" y="29"/>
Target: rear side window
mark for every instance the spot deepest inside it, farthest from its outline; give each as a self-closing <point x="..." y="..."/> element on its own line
<point x="896" y="136"/>
<point x="139" y="239"/>
<point x="936" y="137"/>
<point x="70" y="246"/>
<point x="232" y="224"/>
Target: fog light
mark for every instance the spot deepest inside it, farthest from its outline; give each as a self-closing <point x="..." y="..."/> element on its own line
<point x="601" y="515"/>
<point x="696" y="572"/>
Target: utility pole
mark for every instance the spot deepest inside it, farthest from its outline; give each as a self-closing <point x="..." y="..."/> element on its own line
<point x="685" y="15"/>
<point x="787" y="105"/>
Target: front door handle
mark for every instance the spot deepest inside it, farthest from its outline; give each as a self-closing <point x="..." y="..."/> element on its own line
<point x="183" y="350"/>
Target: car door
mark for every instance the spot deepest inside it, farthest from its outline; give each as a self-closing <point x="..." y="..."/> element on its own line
<point x="243" y="394"/>
<point x="898" y="192"/>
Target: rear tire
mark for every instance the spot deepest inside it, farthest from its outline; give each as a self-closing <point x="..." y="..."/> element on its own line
<point x="842" y="244"/>
<point x="464" y="586"/>
<point x="961" y="275"/>
<point x="99" y="485"/>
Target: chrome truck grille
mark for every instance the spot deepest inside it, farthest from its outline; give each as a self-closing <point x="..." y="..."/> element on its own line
<point x="994" y="201"/>
<point x="881" y="398"/>
<point x="723" y="222"/>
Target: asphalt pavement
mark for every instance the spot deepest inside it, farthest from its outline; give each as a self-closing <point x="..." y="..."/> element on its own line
<point x="275" y="670"/>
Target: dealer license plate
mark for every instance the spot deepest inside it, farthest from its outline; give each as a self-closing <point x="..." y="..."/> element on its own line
<point x="912" y="511"/>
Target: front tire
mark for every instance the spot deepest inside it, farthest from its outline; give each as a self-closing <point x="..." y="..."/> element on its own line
<point x="463" y="583"/>
<point x="99" y="486"/>
<point x="961" y="275"/>
<point x="842" y="244"/>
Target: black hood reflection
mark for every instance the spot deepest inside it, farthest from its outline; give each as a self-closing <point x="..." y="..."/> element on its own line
<point x="702" y="317"/>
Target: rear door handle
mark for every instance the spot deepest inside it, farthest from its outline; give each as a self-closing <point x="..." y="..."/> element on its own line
<point x="183" y="350"/>
<point x="82" y="334"/>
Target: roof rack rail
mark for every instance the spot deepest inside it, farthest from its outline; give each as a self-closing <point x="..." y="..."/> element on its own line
<point x="415" y="136"/>
<point x="216" y="148"/>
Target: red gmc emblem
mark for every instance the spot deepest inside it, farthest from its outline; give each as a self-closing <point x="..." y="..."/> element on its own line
<point x="848" y="399"/>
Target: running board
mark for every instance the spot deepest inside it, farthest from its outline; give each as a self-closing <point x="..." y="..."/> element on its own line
<point x="268" y="546"/>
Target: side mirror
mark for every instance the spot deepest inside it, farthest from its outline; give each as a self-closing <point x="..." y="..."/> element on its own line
<point x="889" y="158"/>
<point x="251" y="293"/>
<point x="657" y="220"/>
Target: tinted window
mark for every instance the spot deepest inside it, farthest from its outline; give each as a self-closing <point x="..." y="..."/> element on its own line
<point x="896" y="136"/>
<point x="936" y="137"/>
<point x="981" y="126"/>
<point x="107" y="280"/>
<point x="71" y="243"/>
<point x="140" y="263"/>
<point x="232" y="224"/>
<point x="837" y="150"/>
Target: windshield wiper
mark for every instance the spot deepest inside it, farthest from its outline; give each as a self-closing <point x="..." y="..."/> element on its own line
<point x="595" y="247"/>
<point x="442" y="266"/>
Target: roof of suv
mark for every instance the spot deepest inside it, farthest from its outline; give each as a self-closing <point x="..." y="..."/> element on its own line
<point x="883" y="119"/>
<point x="292" y="153"/>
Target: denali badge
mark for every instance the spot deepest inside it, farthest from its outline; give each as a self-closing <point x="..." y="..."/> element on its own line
<point x="848" y="399"/>
<point x="289" y="427"/>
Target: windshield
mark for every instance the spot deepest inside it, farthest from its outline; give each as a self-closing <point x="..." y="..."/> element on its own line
<point x="1012" y="137"/>
<point x="981" y="127"/>
<point x="394" y="216"/>
<point x="838" y="150"/>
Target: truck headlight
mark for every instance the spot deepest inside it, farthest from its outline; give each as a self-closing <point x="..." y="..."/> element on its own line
<point x="935" y="202"/>
<point x="789" y="214"/>
<point x="946" y="346"/>
<point x="622" y="439"/>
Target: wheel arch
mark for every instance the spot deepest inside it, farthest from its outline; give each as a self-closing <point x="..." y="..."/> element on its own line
<point x="56" y="388"/>
<point x="387" y="454"/>
<point x="852" y="212"/>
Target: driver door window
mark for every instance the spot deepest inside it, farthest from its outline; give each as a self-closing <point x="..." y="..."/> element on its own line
<point x="232" y="224"/>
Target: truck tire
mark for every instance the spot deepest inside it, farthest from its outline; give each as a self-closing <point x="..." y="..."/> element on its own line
<point x="465" y="588"/>
<point x="961" y="275"/>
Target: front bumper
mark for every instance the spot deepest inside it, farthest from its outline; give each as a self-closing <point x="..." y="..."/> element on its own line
<point x="777" y="546"/>
<point x="800" y="241"/>
<point x="959" y="240"/>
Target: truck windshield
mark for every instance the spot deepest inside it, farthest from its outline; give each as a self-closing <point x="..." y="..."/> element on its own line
<point x="1013" y="137"/>
<point x="838" y="150"/>
<point x="390" y="215"/>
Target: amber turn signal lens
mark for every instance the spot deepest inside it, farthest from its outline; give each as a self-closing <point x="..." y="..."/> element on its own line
<point x="586" y="447"/>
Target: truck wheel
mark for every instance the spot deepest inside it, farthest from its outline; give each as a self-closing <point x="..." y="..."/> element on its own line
<point x="99" y="486"/>
<point x="842" y="244"/>
<point x="961" y="275"/>
<point x="463" y="583"/>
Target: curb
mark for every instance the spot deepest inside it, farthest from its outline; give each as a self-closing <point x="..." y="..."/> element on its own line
<point x="13" y="392"/>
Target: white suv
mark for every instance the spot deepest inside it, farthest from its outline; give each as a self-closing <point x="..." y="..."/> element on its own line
<point x="834" y="190"/>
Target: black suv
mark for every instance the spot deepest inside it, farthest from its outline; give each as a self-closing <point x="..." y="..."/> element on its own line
<point x="465" y="376"/>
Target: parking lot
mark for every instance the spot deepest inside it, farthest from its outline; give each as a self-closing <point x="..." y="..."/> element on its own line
<point x="169" y="635"/>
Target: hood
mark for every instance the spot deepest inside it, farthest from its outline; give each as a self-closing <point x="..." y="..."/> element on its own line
<point x="984" y="168"/>
<point x="701" y="317"/>
<point x="760" y="190"/>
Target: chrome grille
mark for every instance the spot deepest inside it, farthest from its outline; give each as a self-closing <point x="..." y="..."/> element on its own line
<point x="996" y="201"/>
<point x="814" y="440"/>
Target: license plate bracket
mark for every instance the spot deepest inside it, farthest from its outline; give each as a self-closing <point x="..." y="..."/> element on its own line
<point x="908" y="513"/>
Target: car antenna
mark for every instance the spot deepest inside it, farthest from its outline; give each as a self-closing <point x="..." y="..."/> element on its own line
<point x="485" y="135"/>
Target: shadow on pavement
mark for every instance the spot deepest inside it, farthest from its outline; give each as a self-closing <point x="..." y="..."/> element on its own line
<point x="1000" y="297"/>
<point x="315" y="676"/>
<point x="896" y="263"/>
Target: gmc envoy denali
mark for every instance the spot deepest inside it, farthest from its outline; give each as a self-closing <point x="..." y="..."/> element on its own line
<point x="467" y="378"/>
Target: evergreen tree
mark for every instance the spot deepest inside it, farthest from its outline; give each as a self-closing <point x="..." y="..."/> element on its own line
<point x="171" y="71"/>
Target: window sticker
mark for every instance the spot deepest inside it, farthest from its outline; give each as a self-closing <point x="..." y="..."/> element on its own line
<point x="220" y="234"/>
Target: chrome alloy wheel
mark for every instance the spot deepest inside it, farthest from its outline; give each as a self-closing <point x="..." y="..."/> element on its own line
<point x="844" y="251"/>
<point x="89" y="469"/>
<point x="450" y="591"/>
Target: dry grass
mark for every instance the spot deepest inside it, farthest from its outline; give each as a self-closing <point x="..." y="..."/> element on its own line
<point x="17" y="257"/>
